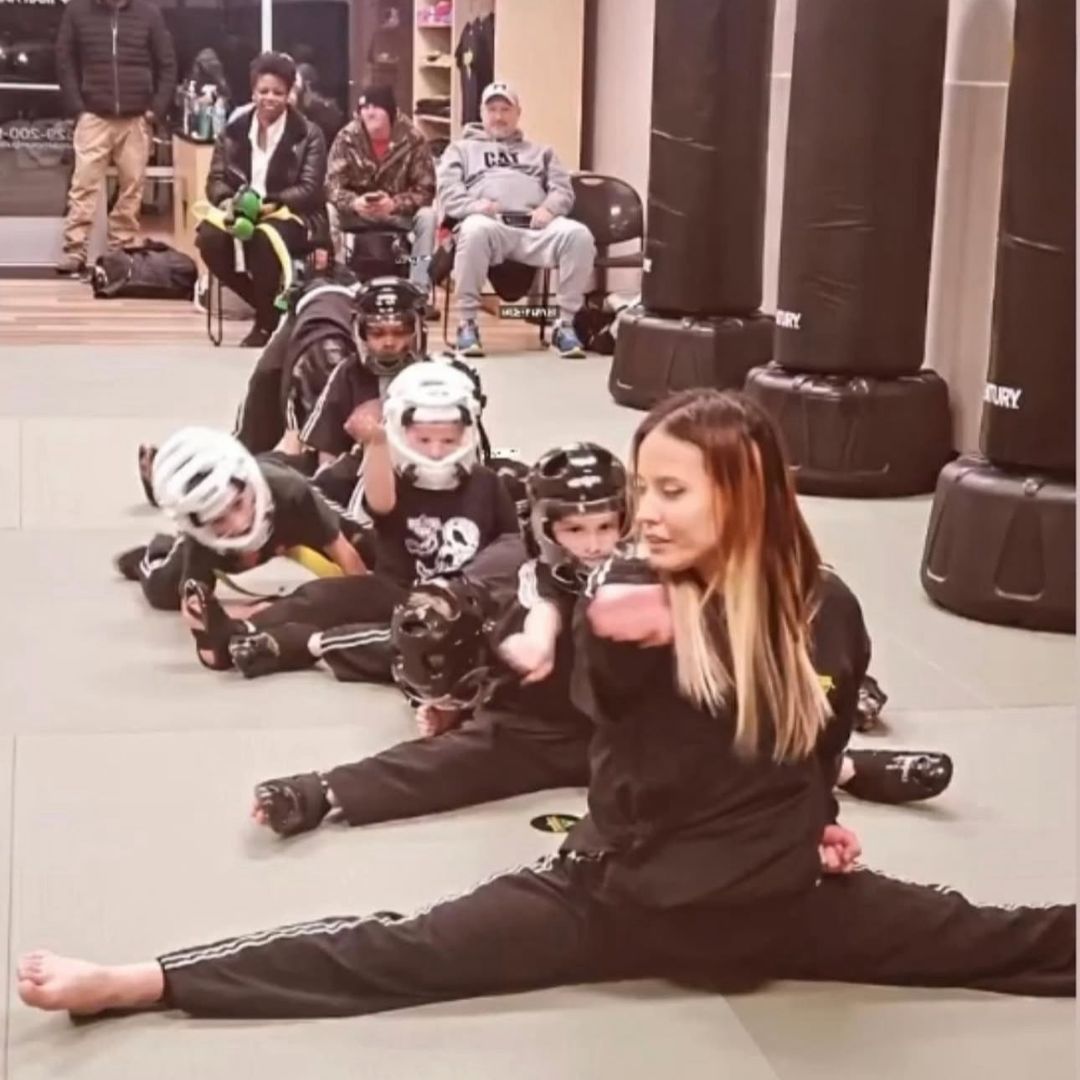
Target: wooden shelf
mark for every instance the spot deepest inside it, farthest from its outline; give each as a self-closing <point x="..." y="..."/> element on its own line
<point x="434" y="26"/>
<point x="433" y="119"/>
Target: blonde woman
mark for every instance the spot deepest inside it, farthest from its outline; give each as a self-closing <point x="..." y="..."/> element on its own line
<point x="722" y="691"/>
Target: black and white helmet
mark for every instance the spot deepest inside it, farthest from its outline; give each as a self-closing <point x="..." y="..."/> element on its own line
<point x="196" y="477"/>
<point x="440" y="635"/>
<point x="390" y="300"/>
<point x="578" y="478"/>
<point x="432" y="392"/>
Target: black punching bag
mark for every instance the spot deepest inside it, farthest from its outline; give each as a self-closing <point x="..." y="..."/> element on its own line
<point x="1029" y="411"/>
<point x="699" y="323"/>
<point x="859" y="186"/>
<point x="710" y="117"/>
<point x="1001" y="542"/>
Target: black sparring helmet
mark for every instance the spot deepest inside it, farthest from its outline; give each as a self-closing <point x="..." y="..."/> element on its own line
<point x="578" y="478"/>
<point x="391" y="300"/>
<point x="514" y="474"/>
<point x="443" y="658"/>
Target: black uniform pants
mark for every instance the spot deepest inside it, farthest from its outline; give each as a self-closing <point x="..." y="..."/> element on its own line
<point x="165" y="566"/>
<point x="260" y="282"/>
<point x="260" y="423"/>
<point x="480" y="761"/>
<point x="353" y="614"/>
<point x="545" y="926"/>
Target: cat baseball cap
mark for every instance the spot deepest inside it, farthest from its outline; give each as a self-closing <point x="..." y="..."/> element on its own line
<point x="499" y="90"/>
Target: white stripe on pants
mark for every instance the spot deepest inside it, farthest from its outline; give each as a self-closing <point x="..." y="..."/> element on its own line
<point x="482" y="242"/>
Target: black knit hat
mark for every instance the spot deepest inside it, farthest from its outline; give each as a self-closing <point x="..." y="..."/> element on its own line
<point x="382" y="96"/>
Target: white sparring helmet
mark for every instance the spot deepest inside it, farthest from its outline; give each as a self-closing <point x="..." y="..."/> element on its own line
<point x="195" y="477"/>
<point x="432" y="392"/>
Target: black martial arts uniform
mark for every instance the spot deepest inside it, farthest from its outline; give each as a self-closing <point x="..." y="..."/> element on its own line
<point x="300" y="516"/>
<point x="693" y="863"/>
<point x="296" y="363"/>
<point x="525" y="738"/>
<point x="427" y="534"/>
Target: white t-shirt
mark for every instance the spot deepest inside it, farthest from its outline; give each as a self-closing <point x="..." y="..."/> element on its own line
<point x="260" y="159"/>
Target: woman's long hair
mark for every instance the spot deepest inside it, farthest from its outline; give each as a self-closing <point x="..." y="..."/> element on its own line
<point x="745" y="632"/>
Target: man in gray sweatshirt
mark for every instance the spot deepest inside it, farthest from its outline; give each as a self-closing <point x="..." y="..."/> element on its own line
<point x="511" y="198"/>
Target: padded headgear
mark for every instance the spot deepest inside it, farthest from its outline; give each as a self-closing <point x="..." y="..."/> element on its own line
<point x="196" y="476"/>
<point x="440" y="636"/>
<point x="432" y="392"/>
<point x="578" y="478"/>
<point x="395" y="301"/>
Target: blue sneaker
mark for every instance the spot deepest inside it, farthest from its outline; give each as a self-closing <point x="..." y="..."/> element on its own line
<point x="566" y="342"/>
<point x="468" y="339"/>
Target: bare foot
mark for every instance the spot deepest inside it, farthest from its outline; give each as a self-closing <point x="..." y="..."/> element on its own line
<point x="48" y="981"/>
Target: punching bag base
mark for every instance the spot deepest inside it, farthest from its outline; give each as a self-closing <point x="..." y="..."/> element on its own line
<point x="655" y="356"/>
<point x="853" y="436"/>
<point x="1001" y="546"/>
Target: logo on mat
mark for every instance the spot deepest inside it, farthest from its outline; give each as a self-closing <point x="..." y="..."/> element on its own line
<point x="554" y="823"/>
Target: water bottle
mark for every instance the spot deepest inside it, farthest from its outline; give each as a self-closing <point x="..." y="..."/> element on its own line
<point x="219" y="116"/>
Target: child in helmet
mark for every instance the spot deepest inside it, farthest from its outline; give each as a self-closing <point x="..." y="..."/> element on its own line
<point x="434" y="510"/>
<point x="233" y="512"/>
<point x="497" y="735"/>
<point x="501" y="734"/>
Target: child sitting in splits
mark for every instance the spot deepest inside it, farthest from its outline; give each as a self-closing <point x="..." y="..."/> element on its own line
<point x="500" y="736"/>
<point x="233" y="511"/>
<point x="489" y="734"/>
<point x="433" y="508"/>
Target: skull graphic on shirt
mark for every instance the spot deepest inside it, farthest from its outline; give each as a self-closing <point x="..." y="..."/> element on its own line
<point x="442" y="548"/>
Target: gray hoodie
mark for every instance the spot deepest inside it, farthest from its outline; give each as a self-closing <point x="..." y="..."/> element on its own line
<point x="515" y="173"/>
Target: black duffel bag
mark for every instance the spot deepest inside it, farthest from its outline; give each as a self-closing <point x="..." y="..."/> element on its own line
<point x="151" y="271"/>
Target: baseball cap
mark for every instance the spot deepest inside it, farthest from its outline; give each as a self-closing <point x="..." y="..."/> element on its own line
<point x="501" y="90"/>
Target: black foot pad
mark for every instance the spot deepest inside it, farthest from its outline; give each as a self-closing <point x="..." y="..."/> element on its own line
<point x="897" y="776"/>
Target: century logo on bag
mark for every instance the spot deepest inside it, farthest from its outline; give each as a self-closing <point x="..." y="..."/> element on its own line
<point x="1005" y="397"/>
<point x="788" y="320"/>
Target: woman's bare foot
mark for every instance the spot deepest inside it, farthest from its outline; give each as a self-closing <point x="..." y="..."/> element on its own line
<point x="48" y="981"/>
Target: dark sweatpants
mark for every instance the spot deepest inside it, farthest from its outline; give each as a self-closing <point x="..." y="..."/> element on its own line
<point x="545" y="926"/>
<point x="481" y="761"/>
<point x="260" y="283"/>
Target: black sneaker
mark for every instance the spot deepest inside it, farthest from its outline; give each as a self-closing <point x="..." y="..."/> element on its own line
<point x="898" y="776"/>
<point x="257" y="338"/>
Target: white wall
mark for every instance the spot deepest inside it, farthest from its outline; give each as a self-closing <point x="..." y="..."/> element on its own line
<point x="969" y="173"/>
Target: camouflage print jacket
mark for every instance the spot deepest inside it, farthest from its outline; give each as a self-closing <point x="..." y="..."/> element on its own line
<point x="407" y="172"/>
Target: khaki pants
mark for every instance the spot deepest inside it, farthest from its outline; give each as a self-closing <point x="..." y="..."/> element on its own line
<point x="99" y="141"/>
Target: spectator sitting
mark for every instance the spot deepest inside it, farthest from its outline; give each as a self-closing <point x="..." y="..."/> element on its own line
<point x="322" y="111"/>
<point x="511" y="198"/>
<point x="380" y="171"/>
<point x="271" y="149"/>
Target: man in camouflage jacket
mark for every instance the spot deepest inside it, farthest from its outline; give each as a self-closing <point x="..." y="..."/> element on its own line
<point x="380" y="170"/>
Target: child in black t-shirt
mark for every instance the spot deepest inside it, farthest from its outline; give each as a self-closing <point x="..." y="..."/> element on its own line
<point x="433" y="508"/>
<point x="525" y="735"/>
<point x="233" y="511"/>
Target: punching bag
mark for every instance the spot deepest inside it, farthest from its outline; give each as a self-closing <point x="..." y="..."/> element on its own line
<point x="859" y="187"/>
<point x="1001" y="542"/>
<point x="1029" y="410"/>
<point x="710" y="116"/>
<point x="699" y="323"/>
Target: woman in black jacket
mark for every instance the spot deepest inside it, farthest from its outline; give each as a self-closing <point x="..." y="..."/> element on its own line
<point x="272" y="149"/>
<point x="721" y="674"/>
